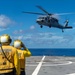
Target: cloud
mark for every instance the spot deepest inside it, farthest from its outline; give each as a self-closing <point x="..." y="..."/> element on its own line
<point x="48" y="40"/>
<point x="17" y="37"/>
<point x="20" y="37"/>
<point x="18" y="31"/>
<point x="2" y="29"/>
<point x="32" y="27"/>
<point x="4" y="21"/>
<point x="45" y="39"/>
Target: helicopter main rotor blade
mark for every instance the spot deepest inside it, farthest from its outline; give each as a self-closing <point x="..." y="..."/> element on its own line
<point x="44" y="10"/>
<point x="64" y="13"/>
<point x="33" y="13"/>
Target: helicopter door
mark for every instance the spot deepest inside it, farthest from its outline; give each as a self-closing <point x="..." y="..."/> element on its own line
<point x="46" y="19"/>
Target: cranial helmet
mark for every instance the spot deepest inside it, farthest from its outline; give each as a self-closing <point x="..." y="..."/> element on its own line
<point x="5" y="38"/>
<point x="17" y="44"/>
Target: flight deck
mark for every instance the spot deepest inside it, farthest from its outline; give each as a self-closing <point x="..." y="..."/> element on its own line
<point x="50" y="65"/>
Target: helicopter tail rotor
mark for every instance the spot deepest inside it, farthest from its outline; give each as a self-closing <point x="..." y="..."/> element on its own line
<point x="66" y="23"/>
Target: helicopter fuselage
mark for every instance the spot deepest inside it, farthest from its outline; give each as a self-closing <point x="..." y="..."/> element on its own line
<point x="51" y="22"/>
<point x="48" y="21"/>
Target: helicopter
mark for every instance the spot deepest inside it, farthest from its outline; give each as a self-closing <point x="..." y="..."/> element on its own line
<point x="49" y="20"/>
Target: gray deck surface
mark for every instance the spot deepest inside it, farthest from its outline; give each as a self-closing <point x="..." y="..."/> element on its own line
<point x="50" y="65"/>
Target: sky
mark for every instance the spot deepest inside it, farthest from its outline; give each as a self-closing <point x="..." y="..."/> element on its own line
<point x="24" y="27"/>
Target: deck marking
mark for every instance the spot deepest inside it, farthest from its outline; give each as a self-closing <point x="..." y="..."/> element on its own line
<point x="38" y="66"/>
<point x="71" y="74"/>
<point x="69" y="62"/>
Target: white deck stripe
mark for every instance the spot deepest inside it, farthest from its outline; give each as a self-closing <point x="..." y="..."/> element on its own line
<point x="69" y="62"/>
<point x="38" y="67"/>
<point x="71" y="74"/>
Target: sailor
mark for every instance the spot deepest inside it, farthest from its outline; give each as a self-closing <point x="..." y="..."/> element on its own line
<point x="9" y="59"/>
<point x="22" y="54"/>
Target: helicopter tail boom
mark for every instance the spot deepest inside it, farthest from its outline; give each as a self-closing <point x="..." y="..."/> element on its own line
<point x="68" y="27"/>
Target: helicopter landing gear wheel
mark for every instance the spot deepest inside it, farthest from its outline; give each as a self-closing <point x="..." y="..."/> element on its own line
<point x="41" y="26"/>
<point x="49" y="26"/>
<point x="62" y="30"/>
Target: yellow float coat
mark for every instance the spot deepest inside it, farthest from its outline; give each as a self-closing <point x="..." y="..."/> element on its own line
<point x="22" y="57"/>
<point x="12" y="55"/>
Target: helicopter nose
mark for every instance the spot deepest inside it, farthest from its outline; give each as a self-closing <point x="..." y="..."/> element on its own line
<point x="37" y="20"/>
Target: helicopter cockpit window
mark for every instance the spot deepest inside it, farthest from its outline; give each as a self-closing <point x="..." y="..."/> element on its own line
<point x="56" y="20"/>
<point x="45" y="18"/>
<point x="41" y="18"/>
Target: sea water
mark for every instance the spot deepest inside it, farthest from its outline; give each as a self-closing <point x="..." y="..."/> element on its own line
<point x="52" y="52"/>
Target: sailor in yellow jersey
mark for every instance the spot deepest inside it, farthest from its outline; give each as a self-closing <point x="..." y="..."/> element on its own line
<point x="9" y="59"/>
<point x="22" y="54"/>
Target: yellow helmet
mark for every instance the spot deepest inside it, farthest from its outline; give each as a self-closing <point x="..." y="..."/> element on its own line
<point x="5" y="38"/>
<point x="17" y="44"/>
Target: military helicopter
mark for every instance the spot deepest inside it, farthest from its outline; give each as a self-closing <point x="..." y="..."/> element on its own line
<point x="48" y="20"/>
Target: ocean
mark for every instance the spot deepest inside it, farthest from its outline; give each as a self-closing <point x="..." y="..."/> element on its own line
<point x="53" y="52"/>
